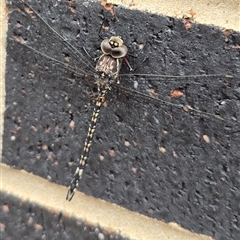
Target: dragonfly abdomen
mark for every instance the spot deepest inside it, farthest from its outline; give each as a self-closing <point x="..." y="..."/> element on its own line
<point x="87" y="145"/>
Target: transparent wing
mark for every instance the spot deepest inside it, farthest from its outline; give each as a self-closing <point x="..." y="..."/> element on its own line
<point x="193" y="94"/>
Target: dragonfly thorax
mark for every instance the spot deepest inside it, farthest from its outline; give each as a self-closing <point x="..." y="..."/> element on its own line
<point x="108" y="67"/>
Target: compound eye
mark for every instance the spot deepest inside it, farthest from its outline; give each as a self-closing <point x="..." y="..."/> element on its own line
<point x="106" y="47"/>
<point x="119" y="52"/>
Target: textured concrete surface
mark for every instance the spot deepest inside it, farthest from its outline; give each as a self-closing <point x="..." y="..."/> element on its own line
<point x="110" y="217"/>
<point x="126" y="168"/>
<point x="225" y="14"/>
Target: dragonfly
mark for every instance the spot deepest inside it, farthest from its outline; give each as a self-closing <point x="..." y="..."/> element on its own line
<point x="105" y="75"/>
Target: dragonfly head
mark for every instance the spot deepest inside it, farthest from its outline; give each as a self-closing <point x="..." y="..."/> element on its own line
<point x="115" y="41"/>
<point x="114" y="46"/>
